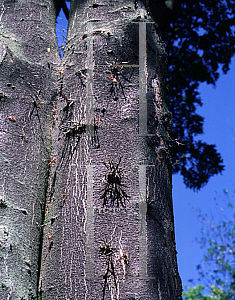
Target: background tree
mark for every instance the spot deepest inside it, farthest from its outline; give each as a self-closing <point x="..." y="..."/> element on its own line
<point x="217" y="272"/>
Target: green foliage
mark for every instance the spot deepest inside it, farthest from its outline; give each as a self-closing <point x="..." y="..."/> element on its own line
<point x="218" y="269"/>
<point x="196" y="293"/>
<point x="200" y="38"/>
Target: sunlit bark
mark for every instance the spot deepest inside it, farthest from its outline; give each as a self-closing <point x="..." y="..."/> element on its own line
<point x="86" y="156"/>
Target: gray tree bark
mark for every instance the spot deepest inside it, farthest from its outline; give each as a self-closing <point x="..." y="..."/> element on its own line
<point x="28" y="53"/>
<point x="86" y="198"/>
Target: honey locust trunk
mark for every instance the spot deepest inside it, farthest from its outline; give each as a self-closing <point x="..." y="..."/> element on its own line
<point x="111" y="162"/>
<point x="85" y="155"/>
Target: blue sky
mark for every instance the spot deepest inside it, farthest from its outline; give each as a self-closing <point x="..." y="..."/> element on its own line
<point x="219" y="129"/>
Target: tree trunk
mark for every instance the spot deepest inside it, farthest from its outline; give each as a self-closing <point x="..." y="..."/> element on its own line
<point x="92" y="157"/>
<point x="28" y="51"/>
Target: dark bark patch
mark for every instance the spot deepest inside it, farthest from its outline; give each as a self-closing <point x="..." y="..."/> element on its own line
<point x="3" y="203"/>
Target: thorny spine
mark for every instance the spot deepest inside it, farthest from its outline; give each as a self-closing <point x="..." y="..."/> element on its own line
<point x="114" y="188"/>
<point x="116" y="84"/>
<point x="107" y="250"/>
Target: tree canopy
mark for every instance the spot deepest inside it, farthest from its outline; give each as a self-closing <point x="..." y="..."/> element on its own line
<point x="199" y="37"/>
